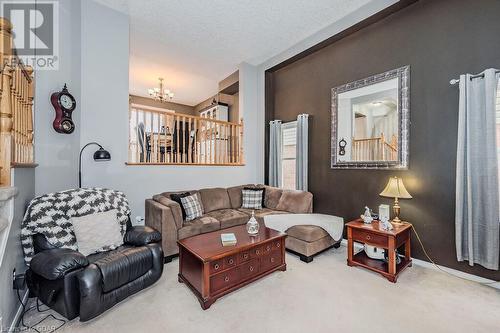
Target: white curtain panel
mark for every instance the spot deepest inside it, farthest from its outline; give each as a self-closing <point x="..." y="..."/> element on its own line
<point x="302" y="158"/>
<point x="275" y="177"/>
<point x="477" y="197"/>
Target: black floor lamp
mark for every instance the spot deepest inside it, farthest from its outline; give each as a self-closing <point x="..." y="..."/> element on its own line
<point x="101" y="155"/>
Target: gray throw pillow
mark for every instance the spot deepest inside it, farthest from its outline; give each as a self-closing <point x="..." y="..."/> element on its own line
<point x="97" y="232"/>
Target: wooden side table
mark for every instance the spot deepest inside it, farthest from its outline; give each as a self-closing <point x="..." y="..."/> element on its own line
<point x="373" y="234"/>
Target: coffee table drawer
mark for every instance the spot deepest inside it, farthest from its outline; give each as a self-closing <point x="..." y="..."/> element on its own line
<point x="369" y="238"/>
<point x="229" y="262"/>
<point x="257" y="252"/>
<point x="270" y="261"/>
<point x="267" y="248"/>
<point x="249" y="269"/>
<point x="224" y="280"/>
<point x="277" y="245"/>
<point x="245" y="256"/>
<point x="216" y="266"/>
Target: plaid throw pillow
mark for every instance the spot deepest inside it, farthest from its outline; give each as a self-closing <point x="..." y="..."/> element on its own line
<point x="258" y="188"/>
<point x="192" y="207"/>
<point x="252" y="199"/>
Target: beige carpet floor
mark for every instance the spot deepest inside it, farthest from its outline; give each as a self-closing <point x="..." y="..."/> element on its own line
<point x="323" y="296"/>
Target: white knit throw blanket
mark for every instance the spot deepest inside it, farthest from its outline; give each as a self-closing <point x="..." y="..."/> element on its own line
<point x="333" y="225"/>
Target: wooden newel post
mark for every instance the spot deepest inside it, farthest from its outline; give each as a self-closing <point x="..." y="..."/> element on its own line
<point x="5" y="101"/>
<point x="31" y="96"/>
<point x="5" y="40"/>
<point x="5" y="127"/>
<point x="241" y="154"/>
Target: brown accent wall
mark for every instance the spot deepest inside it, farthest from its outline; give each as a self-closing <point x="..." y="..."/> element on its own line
<point x="439" y="39"/>
<point x="179" y="108"/>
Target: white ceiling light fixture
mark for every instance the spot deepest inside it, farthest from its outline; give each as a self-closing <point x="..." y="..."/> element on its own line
<point x="160" y="94"/>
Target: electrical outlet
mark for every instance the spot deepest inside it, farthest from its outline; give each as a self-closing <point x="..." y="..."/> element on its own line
<point x="18" y="281"/>
<point x="139" y="220"/>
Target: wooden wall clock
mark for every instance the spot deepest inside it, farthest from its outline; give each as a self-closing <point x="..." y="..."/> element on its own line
<point x="64" y="104"/>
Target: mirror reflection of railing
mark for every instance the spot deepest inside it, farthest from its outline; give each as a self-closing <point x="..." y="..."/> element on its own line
<point x="16" y="108"/>
<point x="375" y="149"/>
<point x="159" y="137"/>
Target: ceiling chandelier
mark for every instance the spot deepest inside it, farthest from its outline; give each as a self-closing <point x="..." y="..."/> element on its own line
<point x="160" y="94"/>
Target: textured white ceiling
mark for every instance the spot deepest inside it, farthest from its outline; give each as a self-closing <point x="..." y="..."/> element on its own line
<point x="193" y="44"/>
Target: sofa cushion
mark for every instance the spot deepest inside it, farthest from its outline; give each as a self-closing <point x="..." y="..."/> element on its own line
<point x="215" y="199"/>
<point x="295" y="202"/>
<point x="198" y="226"/>
<point x="308" y="233"/>
<point x="262" y="212"/>
<point x="272" y="197"/>
<point x="124" y="265"/>
<point x="229" y="217"/>
<point x="235" y="196"/>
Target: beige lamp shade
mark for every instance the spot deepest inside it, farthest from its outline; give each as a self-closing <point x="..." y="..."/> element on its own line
<point x="395" y="189"/>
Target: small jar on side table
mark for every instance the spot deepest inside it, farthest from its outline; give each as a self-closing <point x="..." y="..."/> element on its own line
<point x="373" y="234"/>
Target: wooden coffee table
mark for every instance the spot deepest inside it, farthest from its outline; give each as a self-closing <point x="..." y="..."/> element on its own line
<point x="211" y="270"/>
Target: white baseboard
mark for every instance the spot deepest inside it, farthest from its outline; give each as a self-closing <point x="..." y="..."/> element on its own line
<point x="17" y="317"/>
<point x="457" y="273"/>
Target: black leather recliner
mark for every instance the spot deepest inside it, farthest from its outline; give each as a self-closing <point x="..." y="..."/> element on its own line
<point x="75" y="285"/>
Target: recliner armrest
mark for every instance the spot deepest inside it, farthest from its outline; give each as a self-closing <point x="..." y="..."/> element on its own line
<point x="54" y="264"/>
<point x="141" y="235"/>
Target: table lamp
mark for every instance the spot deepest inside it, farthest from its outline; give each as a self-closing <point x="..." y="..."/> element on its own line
<point x="396" y="189"/>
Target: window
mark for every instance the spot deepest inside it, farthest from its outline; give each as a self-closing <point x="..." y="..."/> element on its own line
<point x="288" y="153"/>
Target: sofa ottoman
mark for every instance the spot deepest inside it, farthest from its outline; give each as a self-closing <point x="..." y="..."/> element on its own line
<point x="308" y="234"/>
<point x="308" y="240"/>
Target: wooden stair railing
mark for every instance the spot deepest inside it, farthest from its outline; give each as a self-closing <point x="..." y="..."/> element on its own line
<point x="375" y="149"/>
<point x="16" y="108"/>
<point x="169" y="138"/>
